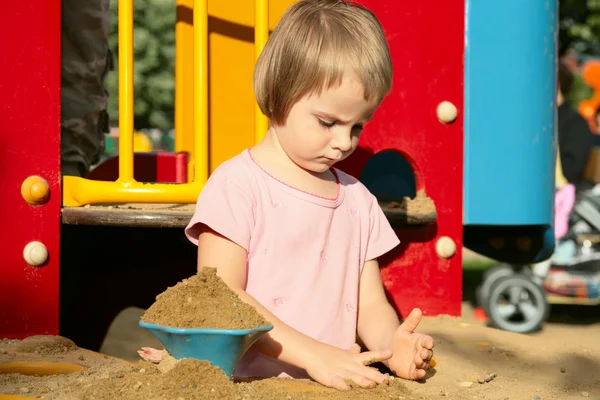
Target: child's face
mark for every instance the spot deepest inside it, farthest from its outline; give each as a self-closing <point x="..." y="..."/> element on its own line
<point x="321" y="130"/>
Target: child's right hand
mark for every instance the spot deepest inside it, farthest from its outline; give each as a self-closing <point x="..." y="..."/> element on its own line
<point x="331" y="366"/>
<point x="153" y="355"/>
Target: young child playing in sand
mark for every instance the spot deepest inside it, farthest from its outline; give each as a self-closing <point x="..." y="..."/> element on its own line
<point x="294" y="236"/>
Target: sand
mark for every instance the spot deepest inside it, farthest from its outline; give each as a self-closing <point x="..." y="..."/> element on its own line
<point x="523" y="368"/>
<point x="421" y="204"/>
<point x="202" y="301"/>
<point x="107" y="378"/>
<point x="416" y="211"/>
<point x="473" y="362"/>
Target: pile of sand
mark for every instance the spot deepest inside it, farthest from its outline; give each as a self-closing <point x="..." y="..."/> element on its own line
<point x="203" y="301"/>
<point x="108" y="378"/>
<point x="420" y="205"/>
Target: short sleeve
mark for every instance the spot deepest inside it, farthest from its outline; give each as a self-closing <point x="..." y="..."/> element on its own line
<point x="226" y="207"/>
<point x="382" y="237"/>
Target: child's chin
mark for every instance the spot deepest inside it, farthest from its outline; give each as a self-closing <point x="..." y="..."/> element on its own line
<point x="319" y="168"/>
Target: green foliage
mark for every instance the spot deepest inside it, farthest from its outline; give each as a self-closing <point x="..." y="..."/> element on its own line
<point x="580" y="91"/>
<point x="580" y="26"/>
<point x="154" y="63"/>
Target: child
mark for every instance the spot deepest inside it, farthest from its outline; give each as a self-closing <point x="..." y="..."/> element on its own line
<point x="296" y="237"/>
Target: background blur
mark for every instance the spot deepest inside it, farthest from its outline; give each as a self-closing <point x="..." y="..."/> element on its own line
<point x="154" y="37"/>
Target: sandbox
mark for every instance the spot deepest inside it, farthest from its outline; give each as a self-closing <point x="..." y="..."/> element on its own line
<point x="473" y="362"/>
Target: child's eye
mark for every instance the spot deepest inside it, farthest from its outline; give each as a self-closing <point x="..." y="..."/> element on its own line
<point x="358" y="128"/>
<point x="326" y="124"/>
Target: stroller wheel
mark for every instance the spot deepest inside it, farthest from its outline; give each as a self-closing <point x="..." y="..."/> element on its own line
<point x="517" y="304"/>
<point x="489" y="278"/>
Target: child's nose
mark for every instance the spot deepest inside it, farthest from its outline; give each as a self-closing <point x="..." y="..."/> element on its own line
<point x="342" y="141"/>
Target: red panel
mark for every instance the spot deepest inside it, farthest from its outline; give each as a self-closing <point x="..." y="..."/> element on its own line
<point x="427" y="46"/>
<point x="29" y="145"/>
<point x="181" y="169"/>
<point x="169" y="167"/>
<point x="155" y="167"/>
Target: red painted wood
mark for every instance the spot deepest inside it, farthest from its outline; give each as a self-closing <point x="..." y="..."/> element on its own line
<point x="426" y="41"/>
<point x="154" y="167"/>
<point x="182" y="166"/>
<point x="168" y="167"/>
<point x="29" y="145"/>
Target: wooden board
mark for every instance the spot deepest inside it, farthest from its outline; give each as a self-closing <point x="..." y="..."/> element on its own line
<point x="178" y="215"/>
<point x="139" y="215"/>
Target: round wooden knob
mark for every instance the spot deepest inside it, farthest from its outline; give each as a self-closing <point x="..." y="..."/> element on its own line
<point x="35" y="254"/>
<point x="446" y="112"/>
<point x="35" y="190"/>
<point x="445" y="247"/>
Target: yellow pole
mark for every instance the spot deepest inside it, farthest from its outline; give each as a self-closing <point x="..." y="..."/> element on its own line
<point x="261" y="34"/>
<point x="201" y="90"/>
<point x="184" y="78"/>
<point x="126" y="91"/>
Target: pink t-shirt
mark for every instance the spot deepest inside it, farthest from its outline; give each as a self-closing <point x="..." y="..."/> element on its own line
<point x="305" y="253"/>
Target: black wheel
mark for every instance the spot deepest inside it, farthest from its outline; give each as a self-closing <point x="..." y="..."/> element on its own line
<point x="517" y="304"/>
<point x="489" y="278"/>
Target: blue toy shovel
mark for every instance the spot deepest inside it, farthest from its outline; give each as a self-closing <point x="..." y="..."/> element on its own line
<point x="223" y="348"/>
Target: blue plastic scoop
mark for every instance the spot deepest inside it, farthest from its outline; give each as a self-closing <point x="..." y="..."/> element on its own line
<point x="223" y="348"/>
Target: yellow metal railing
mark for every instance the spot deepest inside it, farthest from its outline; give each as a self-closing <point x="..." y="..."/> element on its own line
<point x="201" y="91"/>
<point x="184" y="74"/>
<point x="191" y="139"/>
<point x="126" y="91"/>
<point x="261" y="34"/>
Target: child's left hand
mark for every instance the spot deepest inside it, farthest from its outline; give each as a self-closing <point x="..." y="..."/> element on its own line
<point x="411" y="352"/>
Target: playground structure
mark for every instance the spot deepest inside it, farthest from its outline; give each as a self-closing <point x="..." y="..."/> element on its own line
<point x="459" y="128"/>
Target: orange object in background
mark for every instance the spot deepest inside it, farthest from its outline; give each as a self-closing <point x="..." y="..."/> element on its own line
<point x="590" y="72"/>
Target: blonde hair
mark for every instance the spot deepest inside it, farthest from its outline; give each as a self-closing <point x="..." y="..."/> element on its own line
<point x="314" y="44"/>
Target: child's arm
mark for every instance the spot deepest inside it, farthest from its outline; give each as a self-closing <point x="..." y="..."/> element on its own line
<point x="379" y="328"/>
<point x="377" y="320"/>
<point x="328" y="365"/>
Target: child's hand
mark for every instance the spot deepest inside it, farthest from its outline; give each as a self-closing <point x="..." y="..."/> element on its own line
<point x="152" y="355"/>
<point x="331" y="366"/>
<point x="412" y="352"/>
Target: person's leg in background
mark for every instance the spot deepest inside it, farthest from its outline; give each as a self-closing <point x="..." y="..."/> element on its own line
<point x="85" y="61"/>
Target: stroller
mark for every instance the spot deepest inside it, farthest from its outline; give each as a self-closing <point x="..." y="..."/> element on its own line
<point x="517" y="298"/>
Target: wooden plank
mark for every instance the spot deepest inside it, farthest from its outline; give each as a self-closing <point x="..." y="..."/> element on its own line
<point x="139" y="215"/>
<point x="178" y="215"/>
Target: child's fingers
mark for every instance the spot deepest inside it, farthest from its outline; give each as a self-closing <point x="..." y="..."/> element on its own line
<point x="412" y="321"/>
<point x="421" y="363"/>
<point x="363" y="382"/>
<point x="150" y="354"/>
<point x="426" y="354"/>
<point x="338" y="383"/>
<point x="370" y="357"/>
<point x="428" y="342"/>
<point x="374" y="375"/>
<point x="355" y="349"/>
<point x="419" y="374"/>
<point x="418" y="361"/>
